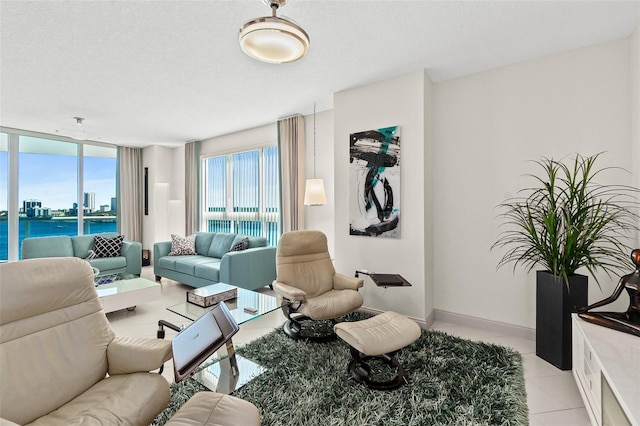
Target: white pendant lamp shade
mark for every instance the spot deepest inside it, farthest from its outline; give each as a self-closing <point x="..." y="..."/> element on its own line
<point x="314" y="194"/>
<point x="272" y="39"/>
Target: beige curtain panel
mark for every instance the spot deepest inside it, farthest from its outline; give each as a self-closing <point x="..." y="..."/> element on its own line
<point x="130" y="186"/>
<point x="192" y="188"/>
<point x="291" y="149"/>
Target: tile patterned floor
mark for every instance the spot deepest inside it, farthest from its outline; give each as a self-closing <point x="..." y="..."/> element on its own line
<point x="552" y="395"/>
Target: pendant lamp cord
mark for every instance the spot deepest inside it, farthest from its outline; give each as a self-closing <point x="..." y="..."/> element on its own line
<point x="314" y="140"/>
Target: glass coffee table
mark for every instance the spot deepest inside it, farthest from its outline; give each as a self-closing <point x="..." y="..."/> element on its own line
<point x="225" y="374"/>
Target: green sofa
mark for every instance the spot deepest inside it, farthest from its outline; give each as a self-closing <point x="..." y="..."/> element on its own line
<point x="251" y="268"/>
<point x="129" y="261"/>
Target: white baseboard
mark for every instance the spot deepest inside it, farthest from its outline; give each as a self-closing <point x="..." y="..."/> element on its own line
<point x="485" y="324"/>
<point x="425" y="324"/>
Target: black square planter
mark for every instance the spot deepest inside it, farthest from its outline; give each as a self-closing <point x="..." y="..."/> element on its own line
<point x="554" y="305"/>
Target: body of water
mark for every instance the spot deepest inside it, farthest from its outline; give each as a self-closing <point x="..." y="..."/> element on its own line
<point x="49" y="227"/>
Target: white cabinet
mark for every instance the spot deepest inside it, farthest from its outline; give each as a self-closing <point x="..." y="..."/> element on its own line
<point x="606" y="366"/>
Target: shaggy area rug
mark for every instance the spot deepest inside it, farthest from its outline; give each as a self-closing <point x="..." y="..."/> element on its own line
<point x="452" y="381"/>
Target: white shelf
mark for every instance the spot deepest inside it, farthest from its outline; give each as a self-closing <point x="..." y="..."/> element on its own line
<point x="602" y="353"/>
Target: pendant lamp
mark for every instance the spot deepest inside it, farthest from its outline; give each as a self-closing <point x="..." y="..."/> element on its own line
<point x="314" y="194"/>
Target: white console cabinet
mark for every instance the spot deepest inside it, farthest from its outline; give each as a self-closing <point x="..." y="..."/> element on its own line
<point x="606" y="366"/>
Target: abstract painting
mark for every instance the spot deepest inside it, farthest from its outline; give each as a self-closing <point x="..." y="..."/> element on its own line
<point x="374" y="179"/>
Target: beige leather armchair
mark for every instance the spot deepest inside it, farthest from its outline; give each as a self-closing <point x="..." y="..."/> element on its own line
<point x="307" y="279"/>
<point x="60" y="361"/>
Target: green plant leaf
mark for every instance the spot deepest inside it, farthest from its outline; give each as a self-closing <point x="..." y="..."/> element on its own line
<point x="567" y="220"/>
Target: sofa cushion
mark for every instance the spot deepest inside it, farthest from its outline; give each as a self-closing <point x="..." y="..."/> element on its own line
<point x="108" y="247"/>
<point x="203" y="242"/>
<point x="109" y="263"/>
<point x="182" y="245"/>
<point x="221" y="244"/>
<point x="58" y="246"/>
<point x="168" y="262"/>
<point x="187" y="264"/>
<point x="240" y="243"/>
<point x="209" y="271"/>
<point x="82" y="244"/>
<point x="257" y="242"/>
<point x="116" y="400"/>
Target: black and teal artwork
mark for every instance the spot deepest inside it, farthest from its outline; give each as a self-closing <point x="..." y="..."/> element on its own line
<point x="374" y="179"/>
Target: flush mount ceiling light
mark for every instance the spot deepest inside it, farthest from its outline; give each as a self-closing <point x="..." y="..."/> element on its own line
<point x="78" y="133"/>
<point x="272" y="39"/>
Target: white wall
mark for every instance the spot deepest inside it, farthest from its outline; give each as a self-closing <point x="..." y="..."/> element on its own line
<point x="166" y="194"/>
<point x="399" y="101"/>
<point x="247" y="139"/>
<point x="634" y="53"/>
<point x="487" y="126"/>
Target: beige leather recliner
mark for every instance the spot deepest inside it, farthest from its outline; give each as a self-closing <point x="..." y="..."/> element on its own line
<point x="60" y="361"/>
<point x="307" y="279"/>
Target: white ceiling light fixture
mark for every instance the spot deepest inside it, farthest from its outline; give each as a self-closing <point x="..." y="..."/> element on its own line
<point x="272" y="39"/>
<point x="78" y="133"/>
<point x="314" y="194"/>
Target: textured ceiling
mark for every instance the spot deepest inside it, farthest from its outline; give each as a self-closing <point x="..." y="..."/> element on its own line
<point x="166" y="72"/>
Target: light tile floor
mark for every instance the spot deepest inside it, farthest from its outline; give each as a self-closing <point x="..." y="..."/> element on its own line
<point x="552" y="395"/>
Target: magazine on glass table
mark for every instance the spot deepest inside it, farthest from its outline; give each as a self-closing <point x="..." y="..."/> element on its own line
<point x="201" y="339"/>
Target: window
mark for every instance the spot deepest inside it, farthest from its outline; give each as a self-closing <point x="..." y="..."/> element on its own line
<point x="47" y="188"/>
<point x="241" y="193"/>
<point x="4" y="196"/>
<point x="57" y="187"/>
<point x="99" y="189"/>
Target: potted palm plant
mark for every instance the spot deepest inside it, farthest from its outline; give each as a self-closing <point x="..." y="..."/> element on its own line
<point x="564" y="222"/>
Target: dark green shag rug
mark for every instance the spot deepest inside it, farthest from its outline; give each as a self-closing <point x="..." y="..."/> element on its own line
<point x="452" y="381"/>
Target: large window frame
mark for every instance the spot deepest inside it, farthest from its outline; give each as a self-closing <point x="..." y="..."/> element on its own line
<point x="250" y="209"/>
<point x="11" y="181"/>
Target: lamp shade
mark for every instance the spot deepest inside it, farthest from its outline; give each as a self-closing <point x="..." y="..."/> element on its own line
<point x="314" y="194"/>
<point x="274" y="40"/>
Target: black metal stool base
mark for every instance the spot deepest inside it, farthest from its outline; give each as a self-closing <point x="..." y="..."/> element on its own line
<point x="361" y="371"/>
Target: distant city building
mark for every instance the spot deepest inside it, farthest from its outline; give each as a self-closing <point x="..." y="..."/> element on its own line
<point x="105" y="207"/>
<point x="40" y="212"/>
<point x="89" y="202"/>
<point x="30" y="204"/>
<point x="114" y="204"/>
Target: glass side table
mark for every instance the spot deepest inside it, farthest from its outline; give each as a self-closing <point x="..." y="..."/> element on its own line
<point x="226" y="374"/>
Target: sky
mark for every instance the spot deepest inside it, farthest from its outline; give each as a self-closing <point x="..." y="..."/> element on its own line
<point x="52" y="179"/>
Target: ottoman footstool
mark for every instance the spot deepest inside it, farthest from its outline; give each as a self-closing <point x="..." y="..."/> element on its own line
<point x="381" y="337"/>
<point x="216" y="409"/>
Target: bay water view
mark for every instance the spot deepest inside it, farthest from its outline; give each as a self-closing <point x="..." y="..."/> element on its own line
<point x="29" y="227"/>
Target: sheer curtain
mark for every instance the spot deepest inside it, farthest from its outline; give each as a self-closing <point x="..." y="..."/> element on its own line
<point x="130" y="187"/>
<point x="291" y="148"/>
<point x="192" y="187"/>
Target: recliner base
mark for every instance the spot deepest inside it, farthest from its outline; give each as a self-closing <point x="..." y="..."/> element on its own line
<point x="293" y="329"/>
<point x="361" y="371"/>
